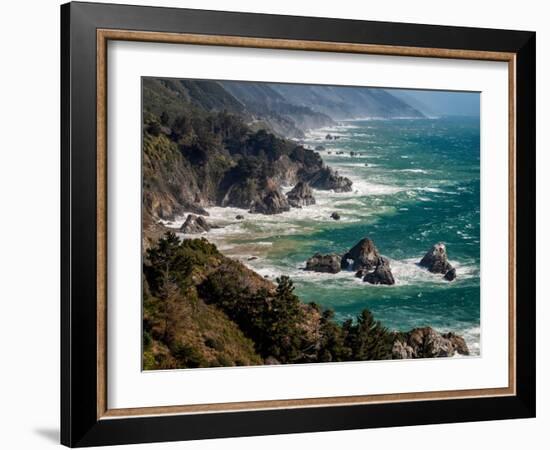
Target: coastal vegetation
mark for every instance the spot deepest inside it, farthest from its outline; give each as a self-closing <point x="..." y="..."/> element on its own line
<point x="202" y="309"/>
<point x="227" y="144"/>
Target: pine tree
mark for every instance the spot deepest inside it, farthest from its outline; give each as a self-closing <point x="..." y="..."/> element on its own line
<point x="368" y="339"/>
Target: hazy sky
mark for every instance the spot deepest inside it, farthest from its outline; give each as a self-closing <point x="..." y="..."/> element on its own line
<point x="440" y="102"/>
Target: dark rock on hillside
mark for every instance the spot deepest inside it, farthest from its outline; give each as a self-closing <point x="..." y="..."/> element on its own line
<point x="335" y="216"/>
<point x="435" y="260"/>
<point x="324" y="263"/>
<point x="382" y="274"/>
<point x="428" y="343"/>
<point x="195" y="224"/>
<point x="272" y="202"/>
<point x="301" y="195"/>
<point x="450" y="275"/>
<point x="363" y="255"/>
<point x="327" y="179"/>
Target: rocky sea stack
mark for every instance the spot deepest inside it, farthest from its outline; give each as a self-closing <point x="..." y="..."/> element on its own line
<point x="363" y="258"/>
<point x="382" y="274"/>
<point x="436" y="261"/>
<point x="324" y="263"/>
<point x="195" y="224"/>
<point x="363" y="255"/>
<point x="300" y="195"/>
<point x="273" y="202"/>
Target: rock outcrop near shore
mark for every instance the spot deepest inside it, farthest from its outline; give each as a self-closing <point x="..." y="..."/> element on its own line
<point x="382" y="274"/>
<point x="270" y="201"/>
<point x="363" y="258"/>
<point x="301" y="195"/>
<point x="436" y="261"/>
<point x="427" y="343"/>
<point x="195" y="224"/>
<point x="363" y="255"/>
<point x="328" y="179"/>
<point x="324" y="263"/>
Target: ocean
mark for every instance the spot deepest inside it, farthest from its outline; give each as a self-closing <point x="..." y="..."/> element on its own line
<point x="416" y="182"/>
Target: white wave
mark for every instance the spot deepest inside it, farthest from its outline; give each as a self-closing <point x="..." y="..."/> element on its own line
<point x="414" y="170"/>
<point x="407" y="272"/>
<point x="381" y="118"/>
<point x="472" y="336"/>
<point x="430" y="189"/>
<point x="361" y="165"/>
<point x="362" y="187"/>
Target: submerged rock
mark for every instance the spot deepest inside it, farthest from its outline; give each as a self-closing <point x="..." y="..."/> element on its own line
<point x="382" y="274"/>
<point x="301" y="195"/>
<point x="363" y="255"/>
<point x="195" y="224"/>
<point x="324" y="263"/>
<point x="335" y="216"/>
<point x="328" y="137"/>
<point x="319" y="148"/>
<point x="239" y="217"/>
<point x="427" y="343"/>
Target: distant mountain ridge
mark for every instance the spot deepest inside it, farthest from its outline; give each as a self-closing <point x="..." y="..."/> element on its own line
<point x="347" y="102"/>
<point x="288" y="110"/>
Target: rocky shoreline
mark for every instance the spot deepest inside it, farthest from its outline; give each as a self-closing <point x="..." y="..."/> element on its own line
<point x="187" y="282"/>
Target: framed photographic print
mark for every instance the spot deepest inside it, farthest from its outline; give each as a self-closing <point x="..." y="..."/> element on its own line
<point x="276" y="224"/>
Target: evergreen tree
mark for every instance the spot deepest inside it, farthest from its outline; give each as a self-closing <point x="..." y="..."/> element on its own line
<point x="368" y="339"/>
<point x="165" y="119"/>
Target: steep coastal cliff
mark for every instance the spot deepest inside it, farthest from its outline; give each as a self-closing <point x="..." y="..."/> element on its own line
<point x="199" y="152"/>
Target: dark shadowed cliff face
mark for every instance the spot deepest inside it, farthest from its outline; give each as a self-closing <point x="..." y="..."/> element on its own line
<point x="199" y="159"/>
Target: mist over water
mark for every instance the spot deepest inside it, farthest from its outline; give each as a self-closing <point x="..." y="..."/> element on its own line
<point x="415" y="183"/>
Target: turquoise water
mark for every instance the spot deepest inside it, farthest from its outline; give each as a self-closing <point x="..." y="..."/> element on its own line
<point x="416" y="182"/>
